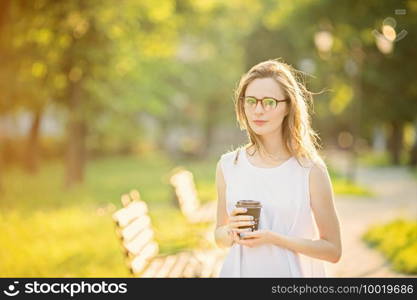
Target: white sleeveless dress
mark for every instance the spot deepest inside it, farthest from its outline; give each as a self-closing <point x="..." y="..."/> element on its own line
<point x="284" y="194"/>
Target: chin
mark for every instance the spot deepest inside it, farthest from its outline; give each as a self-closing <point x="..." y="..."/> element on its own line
<point x="264" y="131"/>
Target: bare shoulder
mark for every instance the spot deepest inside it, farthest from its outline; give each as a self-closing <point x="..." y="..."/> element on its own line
<point x="320" y="182"/>
<point x="219" y="174"/>
<point x="319" y="169"/>
<point x="218" y="167"/>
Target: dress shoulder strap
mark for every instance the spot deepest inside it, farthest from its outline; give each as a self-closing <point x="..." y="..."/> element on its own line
<point x="236" y="156"/>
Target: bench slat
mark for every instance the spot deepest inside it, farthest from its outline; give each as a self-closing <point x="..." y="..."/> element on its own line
<point x="127" y="214"/>
<point x="178" y="269"/>
<point x="152" y="268"/>
<point x="186" y="192"/>
<point x="139" y="262"/>
<point x="131" y="230"/>
<point x="202" y="215"/>
<point x="208" y="260"/>
<point x="217" y="267"/>
<point x="208" y="213"/>
<point x="135" y="246"/>
<point x="135" y="229"/>
<point x="192" y="269"/>
<point x="166" y="267"/>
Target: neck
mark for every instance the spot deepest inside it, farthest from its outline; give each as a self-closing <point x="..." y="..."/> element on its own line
<point x="273" y="144"/>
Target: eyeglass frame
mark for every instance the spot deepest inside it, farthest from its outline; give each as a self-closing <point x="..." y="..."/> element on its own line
<point x="260" y="100"/>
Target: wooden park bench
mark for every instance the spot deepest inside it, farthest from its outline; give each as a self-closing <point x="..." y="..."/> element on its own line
<point x="186" y="193"/>
<point x="134" y="228"/>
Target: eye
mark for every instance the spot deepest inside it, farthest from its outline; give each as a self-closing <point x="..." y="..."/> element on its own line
<point x="269" y="102"/>
<point x="250" y="100"/>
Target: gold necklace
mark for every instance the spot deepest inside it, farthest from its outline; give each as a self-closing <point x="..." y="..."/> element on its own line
<point x="268" y="154"/>
<point x="274" y="157"/>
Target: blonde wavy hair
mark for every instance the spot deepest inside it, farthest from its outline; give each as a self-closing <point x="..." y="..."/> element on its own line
<point x="298" y="136"/>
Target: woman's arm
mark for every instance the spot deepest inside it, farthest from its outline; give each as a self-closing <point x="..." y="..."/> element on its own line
<point x="328" y="247"/>
<point x="222" y="232"/>
<point x="228" y="227"/>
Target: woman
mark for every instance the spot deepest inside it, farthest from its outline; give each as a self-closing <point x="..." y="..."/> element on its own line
<point x="281" y="168"/>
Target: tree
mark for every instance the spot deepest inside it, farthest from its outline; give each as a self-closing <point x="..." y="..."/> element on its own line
<point x="83" y="55"/>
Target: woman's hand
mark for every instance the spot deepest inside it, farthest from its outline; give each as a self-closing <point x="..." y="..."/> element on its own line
<point x="236" y="221"/>
<point x="256" y="238"/>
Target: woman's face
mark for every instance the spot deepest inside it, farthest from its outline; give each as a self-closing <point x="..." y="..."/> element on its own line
<point x="260" y="88"/>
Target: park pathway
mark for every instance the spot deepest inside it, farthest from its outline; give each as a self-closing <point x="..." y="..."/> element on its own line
<point x="395" y="196"/>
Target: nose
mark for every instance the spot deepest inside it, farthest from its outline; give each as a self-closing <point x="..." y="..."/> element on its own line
<point x="259" y="108"/>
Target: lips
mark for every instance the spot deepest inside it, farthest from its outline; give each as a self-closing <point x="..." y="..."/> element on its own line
<point x="259" y="122"/>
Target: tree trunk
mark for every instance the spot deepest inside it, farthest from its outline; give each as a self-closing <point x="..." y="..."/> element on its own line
<point x="31" y="159"/>
<point x="413" y="152"/>
<point x="1" y="165"/>
<point x="76" y="153"/>
<point x="161" y="142"/>
<point x="77" y="132"/>
<point x="413" y="155"/>
<point x="209" y="125"/>
<point x="4" y="11"/>
<point x="396" y="141"/>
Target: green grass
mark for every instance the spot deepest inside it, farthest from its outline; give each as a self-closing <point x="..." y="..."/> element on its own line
<point x="48" y="231"/>
<point x="64" y="242"/>
<point x="397" y="240"/>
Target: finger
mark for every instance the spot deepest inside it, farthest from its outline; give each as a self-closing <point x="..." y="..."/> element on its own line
<point x="243" y="230"/>
<point x="242" y="224"/>
<point x="241" y="218"/>
<point x="252" y="234"/>
<point x="246" y="237"/>
<point x="238" y="210"/>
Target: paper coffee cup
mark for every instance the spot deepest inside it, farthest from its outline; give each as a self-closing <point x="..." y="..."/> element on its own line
<point x="253" y="209"/>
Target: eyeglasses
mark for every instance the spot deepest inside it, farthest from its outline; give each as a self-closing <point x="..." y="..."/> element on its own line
<point x="268" y="103"/>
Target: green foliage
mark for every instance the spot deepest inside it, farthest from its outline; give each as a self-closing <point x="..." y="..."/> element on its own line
<point x="179" y="61"/>
<point x="406" y="260"/>
<point x="397" y="240"/>
<point x="344" y="186"/>
<point x="373" y="159"/>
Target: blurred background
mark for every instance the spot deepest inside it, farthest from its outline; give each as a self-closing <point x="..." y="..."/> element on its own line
<point x="101" y="97"/>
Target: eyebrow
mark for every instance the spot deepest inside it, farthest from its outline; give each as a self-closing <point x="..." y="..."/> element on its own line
<point x="262" y="97"/>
